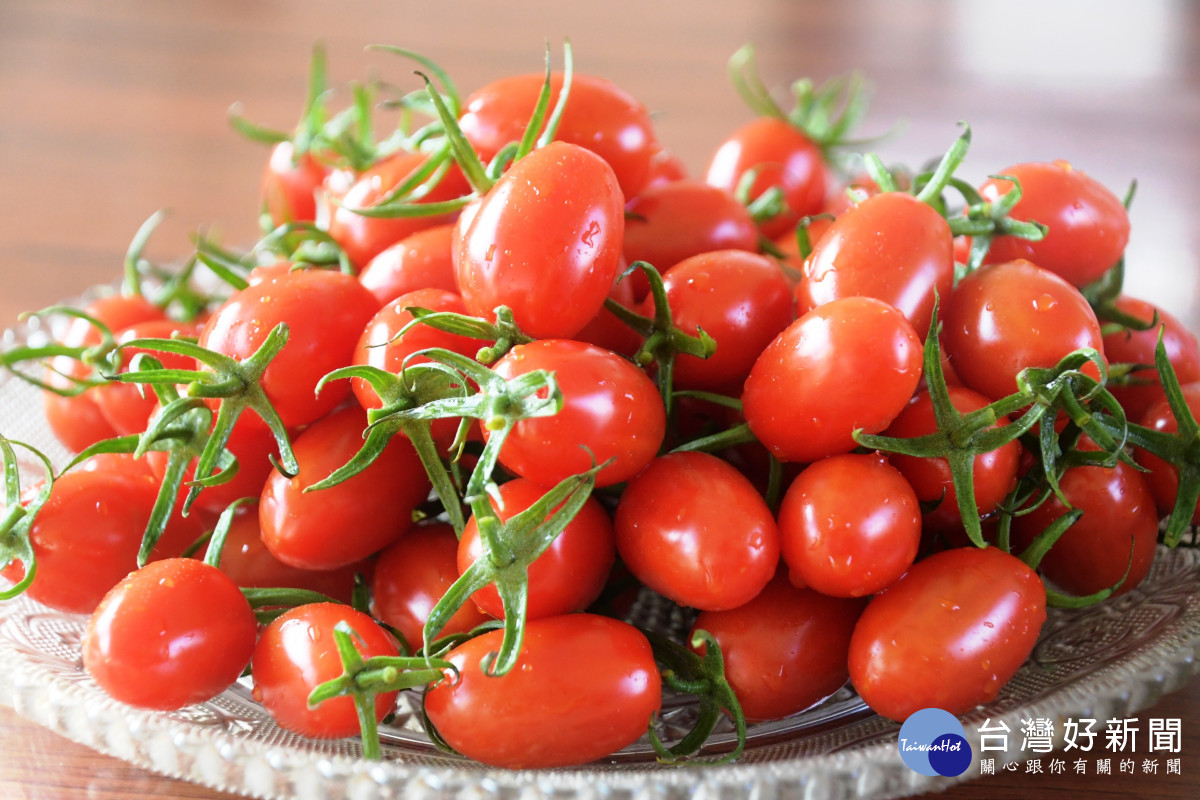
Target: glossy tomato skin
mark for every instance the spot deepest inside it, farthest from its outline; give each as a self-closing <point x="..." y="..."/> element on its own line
<point x="949" y="634"/>
<point x="584" y="687"/>
<point x="850" y="525"/>
<point x="1005" y="317"/>
<point x="742" y="300"/>
<point x="86" y="536"/>
<point x="609" y="407"/>
<point x="785" y="649"/>
<point x="325" y="313"/>
<point x="333" y="527"/>
<point x="783" y="157"/>
<point x="296" y="653"/>
<point x="851" y="363"/>
<point x="568" y="576"/>
<point x="993" y="473"/>
<point x="544" y="241"/>
<point x="890" y="246"/>
<point x="1138" y="347"/>
<point x="419" y="261"/>
<point x="127" y="406"/>
<point x="1118" y="530"/>
<point x="1088" y="226"/>
<point x="364" y="237"/>
<point x="290" y="184"/>
<point x="694" y="529"/>
<point x="1162" y="476"/>
<point x="173" y="633"/>
<point x="411" y="575"/>
<point x="599" y="116"/>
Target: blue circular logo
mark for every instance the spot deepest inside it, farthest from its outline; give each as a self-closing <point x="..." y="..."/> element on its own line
<point x="932" y="742"/>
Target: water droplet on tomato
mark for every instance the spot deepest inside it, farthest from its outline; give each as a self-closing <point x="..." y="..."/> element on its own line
<point x="1044" y="303"/>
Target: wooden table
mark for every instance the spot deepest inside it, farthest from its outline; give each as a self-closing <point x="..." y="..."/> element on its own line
<point x="112" y="111"/>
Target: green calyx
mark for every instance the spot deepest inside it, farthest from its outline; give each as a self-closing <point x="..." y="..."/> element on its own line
<point x="16" y="517"/>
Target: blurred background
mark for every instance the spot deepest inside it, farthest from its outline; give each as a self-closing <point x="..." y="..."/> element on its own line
<point x="109" y="111"/>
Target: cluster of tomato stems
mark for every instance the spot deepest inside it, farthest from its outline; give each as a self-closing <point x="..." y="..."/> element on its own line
<point x="449" y="385"/>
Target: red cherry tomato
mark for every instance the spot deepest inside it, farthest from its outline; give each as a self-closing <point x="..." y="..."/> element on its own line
<point x="606" y="330"/>
<point x="949" y="634"/>
<point x="890" y="246"/>
<point x="1137" y="347"/>
<point x="173" y="633"/>
<point x="1005" y="317"/>
<point x="411" y="575"/>
<point x="610" y="410"/>
<point x="742" y="300"/>
<point x="419" y="261"/>
<point x="783" y="157"/>
<point x="290" y="184"/>
<point x="665" y="166"/>
<point x="1162" y="476"/>
<point x="572" y="571"/>
<point x="544" y="241"/>
<point x="296" y="653"/>
<point x="584" y="687"/>
<point x="1088" y="226"/>
<point x="850" y="525"/>
<point x="599" y="116"/>
<point x="785" y="650"/>
<point x="695" y="530"/>
<point x="128" y="406"/>
<point x="325" y="313"/>
<point x="333" y="527"/>
<point x="849" y="364"/>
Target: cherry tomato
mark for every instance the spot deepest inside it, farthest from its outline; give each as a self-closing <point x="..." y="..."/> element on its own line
<point x="572" y="571"/>
<point x="606" y="330"/>
<point x="296" y="653"/>
<point x="742" y="300"/>
<point x="694" y="529"/>
<point x="411" y="575"/>
<point x="1005" y="317"/>
<point x="363" y="237"/>
<point x="1162" y="476"/>
<point x="340" y="525"/>
<point x="128" y="406"/>
<point x="1137" y="347"/>
<point x="890" y="246"/>
<point x="599" y="116"/>
<point x="993" y="473"/>
<point x="325" y="313"/>
<point x="584" y="687"/>
<point x="665" y="166"/>
<point x="173" y="633"/>
<point x="673" y="221"/>
<point x="1118" y="530"/>
<point x="850" y="364"/>
<point x="1087" y="226"/>
<point x="850" y="525"/>
<point x="785" y="650"/>
<point x="782" y="156"/>
<point x="610" y="410"/>
<point x="949" y="634"/>
<point x="290" y="184"/>
<point x="544" y="241"/>
<point x="419" y="261"/>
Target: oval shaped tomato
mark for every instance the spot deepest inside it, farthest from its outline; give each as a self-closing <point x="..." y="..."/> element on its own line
<point x="947" y="635"/>
<point x="1162" y="476"/>
<point x="599" y="116"/>
<point x="742" y="300"/>
<point x="1087" y="225"/>
<point x="1138" y="347"/>
<point x="568" y="576"/>
<point x="1005" y="317"/>
<point x="420" y="260"/>
<point x="695" y="530"/>
<point x="849" y="364"/>
<point x="290" y="183"/>
<point x="128" y="406"/>
<point x="782" y="156"/>
<point x="333" y="527"/>
<point x="544" y="241"/>
<point x="296" y="653"/>
<point x="890" y="246"/>
<point x="173" y="633"/>
<point x="785" y="650"/>
<point x="325" y="313"/>
<point x="610" y="410"/>
<point x="606" y="330"/>
<point x="584" y="686"/>
<point x="850" y="525"/>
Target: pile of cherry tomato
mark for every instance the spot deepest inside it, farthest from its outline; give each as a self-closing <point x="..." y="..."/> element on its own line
<point x="486" y="379"/>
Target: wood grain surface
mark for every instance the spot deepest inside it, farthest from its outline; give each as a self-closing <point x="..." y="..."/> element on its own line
<point x="111" y="111"/>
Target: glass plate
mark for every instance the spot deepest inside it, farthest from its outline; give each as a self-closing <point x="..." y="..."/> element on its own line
<point x="1106" y="661"/>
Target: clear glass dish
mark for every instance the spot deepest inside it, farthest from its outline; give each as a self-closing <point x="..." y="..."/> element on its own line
<point x="1106" y="661"/>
